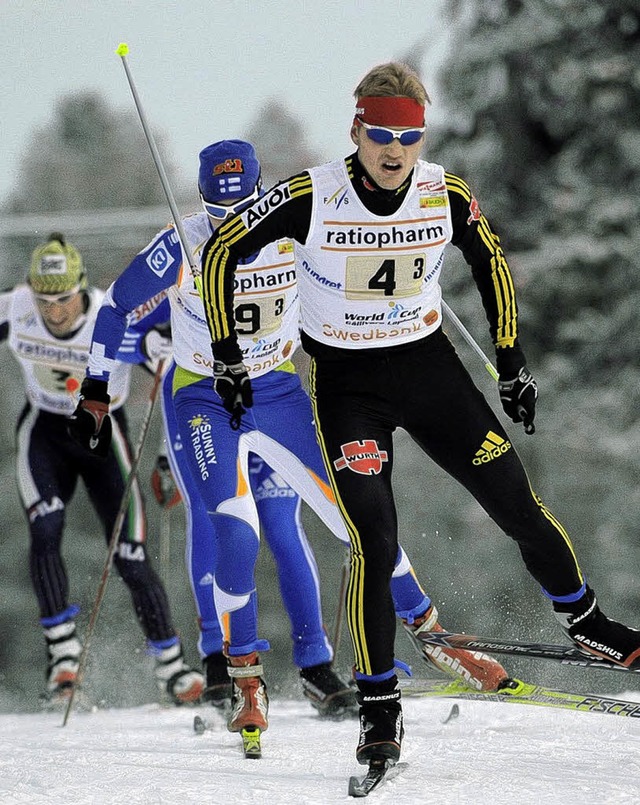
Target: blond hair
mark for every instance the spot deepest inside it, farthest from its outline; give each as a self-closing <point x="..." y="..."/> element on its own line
<point x="392" y="79"/>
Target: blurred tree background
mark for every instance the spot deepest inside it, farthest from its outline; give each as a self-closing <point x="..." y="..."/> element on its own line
<point x="539" y="102"/>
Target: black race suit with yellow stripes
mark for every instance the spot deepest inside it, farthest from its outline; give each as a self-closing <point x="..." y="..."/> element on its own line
<point x="361" y="395"/>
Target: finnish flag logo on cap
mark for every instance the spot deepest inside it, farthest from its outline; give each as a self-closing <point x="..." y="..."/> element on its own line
<point x="229" y="184"/>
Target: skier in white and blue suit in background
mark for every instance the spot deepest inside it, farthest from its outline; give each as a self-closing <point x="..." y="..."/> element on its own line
<point x="47" y="323"/>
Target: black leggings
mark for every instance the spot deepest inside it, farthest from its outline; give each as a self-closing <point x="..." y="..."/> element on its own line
<point x="360" y="397"/>
<point x="49" y="466"/>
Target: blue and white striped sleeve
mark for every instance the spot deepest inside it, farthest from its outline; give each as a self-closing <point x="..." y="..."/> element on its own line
<point x="146" y="278"/>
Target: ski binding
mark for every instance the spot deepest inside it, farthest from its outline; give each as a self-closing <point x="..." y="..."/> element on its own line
<point x="251" y="743"/>
<point x="379" y="769"/>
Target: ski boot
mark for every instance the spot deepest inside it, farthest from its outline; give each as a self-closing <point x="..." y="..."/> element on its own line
<point x="594" y="633"/>
<point x="175" y="679"/>
<point x="218" y="685"/>
<point x="332" y="698"/>
<point x="249" y="700"/>
<point x="477" y="670"/>
<point x="64" y="651"/>
<point x="381" y="725"/>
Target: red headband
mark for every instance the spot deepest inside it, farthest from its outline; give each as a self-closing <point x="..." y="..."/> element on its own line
<point x="390" y="110"/>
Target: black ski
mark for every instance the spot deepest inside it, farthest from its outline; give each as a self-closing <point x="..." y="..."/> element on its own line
<point x="379" y="770"/>
<point x="567" y="655"/>
<point x="200" y="725"/>
<point x="58" y="701"/>
<point x="452" y="715"/>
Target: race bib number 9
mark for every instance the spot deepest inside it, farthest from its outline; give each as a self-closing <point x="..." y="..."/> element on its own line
<point x="259" y="317"/>
<point x="393" y="277"/>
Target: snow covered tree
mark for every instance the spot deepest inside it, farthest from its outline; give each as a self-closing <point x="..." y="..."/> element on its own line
<point x="542" y="101"/>
<point x="544" y="98"/>
<point x="89" y="156"/>
<point x="280" y="143"/>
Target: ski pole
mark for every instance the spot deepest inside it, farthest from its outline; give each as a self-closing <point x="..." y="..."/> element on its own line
<point x="470" y="340"/>
<point x="165" y="544"/>
<point x="123" y="51"/>
<point x="113" y="542"/>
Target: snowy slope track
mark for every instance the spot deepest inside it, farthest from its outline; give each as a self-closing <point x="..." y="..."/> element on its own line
<point x="489" y="754"/>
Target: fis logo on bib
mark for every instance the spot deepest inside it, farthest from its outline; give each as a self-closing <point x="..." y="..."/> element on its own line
<point x="363" y="457"/>
<point x="337" y="198"/>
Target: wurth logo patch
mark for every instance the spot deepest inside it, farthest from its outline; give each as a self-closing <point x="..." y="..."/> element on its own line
<point x="474" y="211"/>
<point x="363" y="457"/>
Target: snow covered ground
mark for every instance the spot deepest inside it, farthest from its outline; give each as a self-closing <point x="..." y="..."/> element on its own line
<point x="492" y="753"/>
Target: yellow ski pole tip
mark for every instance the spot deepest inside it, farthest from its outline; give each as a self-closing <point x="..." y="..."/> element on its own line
<point x="122" y="49"/>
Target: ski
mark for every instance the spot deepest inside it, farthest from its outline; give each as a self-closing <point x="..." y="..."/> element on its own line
<point x="567" y="655"/>
<point x="251" y="743"/>
<point x="250" y="738"/>
<point x="514" y="690"/>
<point x="379" y="770"/>
<point x="452" y="715"/>
<point x="200" y="725"/>
<point x="58" y="701"/>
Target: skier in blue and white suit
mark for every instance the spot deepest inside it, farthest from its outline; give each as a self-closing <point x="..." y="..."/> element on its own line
<point x="279" y="514"/>
<point x="278" y="428"/>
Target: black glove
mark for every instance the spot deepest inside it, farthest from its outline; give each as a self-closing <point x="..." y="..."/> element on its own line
<point x="518" y="397"/>
<point x="163" y="484"/>
<point x="231" y="383"/>
<point x="90" y="423"/>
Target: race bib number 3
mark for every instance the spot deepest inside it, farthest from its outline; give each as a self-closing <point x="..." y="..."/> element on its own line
<point x="384" y="278"/>
<point x="59" y="381"/>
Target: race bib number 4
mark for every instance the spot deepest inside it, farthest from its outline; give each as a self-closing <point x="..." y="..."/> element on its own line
<point x="394" y="277"/>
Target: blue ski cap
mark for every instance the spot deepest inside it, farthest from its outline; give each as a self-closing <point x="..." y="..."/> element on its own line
<point x="229" y="171"/>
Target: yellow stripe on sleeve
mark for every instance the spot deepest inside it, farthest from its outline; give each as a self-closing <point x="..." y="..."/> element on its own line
<point x="502" y="280"/>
